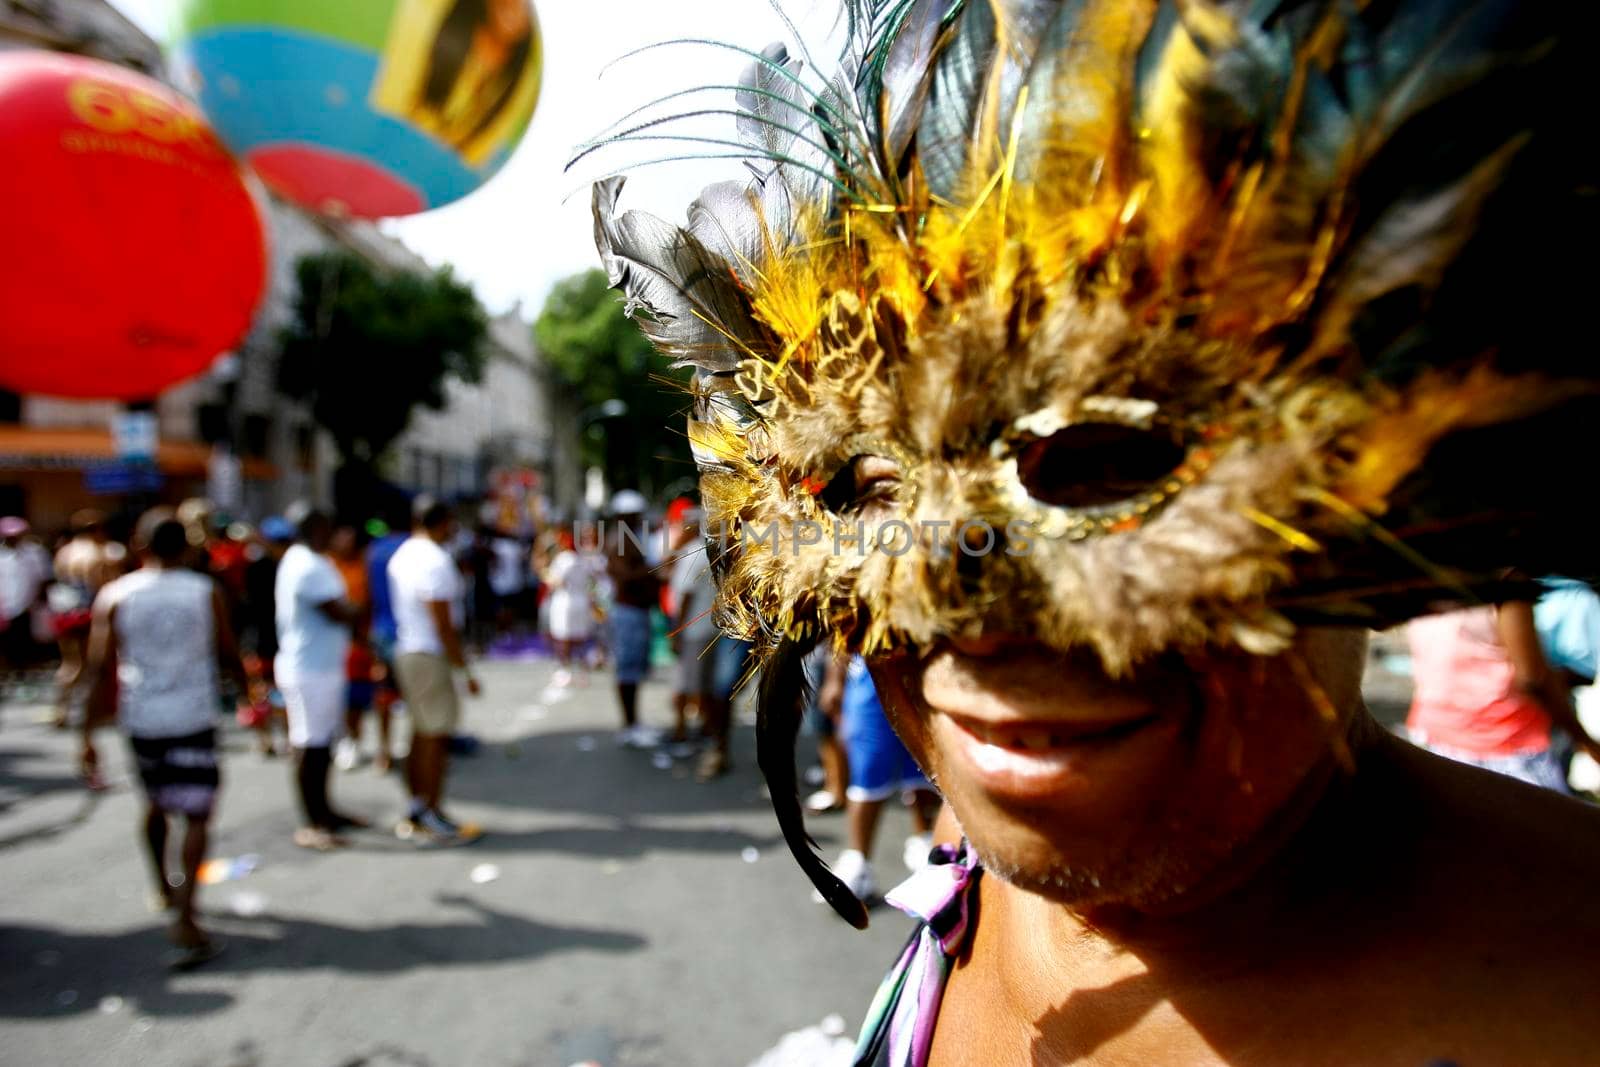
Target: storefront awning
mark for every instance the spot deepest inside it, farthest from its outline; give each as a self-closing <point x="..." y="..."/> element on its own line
<point x="33" y="448"/>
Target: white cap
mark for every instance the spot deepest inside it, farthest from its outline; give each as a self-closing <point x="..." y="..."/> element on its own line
<point x="629" y="502"/>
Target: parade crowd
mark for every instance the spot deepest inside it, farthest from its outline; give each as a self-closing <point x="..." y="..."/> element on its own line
<point x="302" y="629"/>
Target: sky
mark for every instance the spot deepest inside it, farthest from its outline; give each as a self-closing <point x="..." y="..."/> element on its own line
<point x="531" y="225"/>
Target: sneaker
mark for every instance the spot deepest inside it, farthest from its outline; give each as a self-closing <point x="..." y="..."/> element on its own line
<point x="316" y="839"/>
<point x="916" y="852"/>
<point x="855" y="872"/>
<point x="434" y="829"/>
<point x="346" y="754"/>
<point x="822" y="801"/>
<point x="714" y="764"/>
<point x="639" y="736"/>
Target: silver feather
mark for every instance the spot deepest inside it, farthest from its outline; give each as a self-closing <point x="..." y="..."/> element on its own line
<point x="697" y="312"/>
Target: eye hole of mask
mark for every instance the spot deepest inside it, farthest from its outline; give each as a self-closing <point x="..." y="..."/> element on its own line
<point x="863" y="482"/>
<point x="1096" y="464"/>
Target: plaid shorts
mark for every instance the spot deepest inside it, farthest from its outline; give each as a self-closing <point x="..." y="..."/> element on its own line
<point x="180" y="774"/>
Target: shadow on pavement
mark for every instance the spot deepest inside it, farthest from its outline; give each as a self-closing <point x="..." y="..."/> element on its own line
<point x="56" y="973"/>
<point x="16" y="784"/>
<point x="622" y="795"/>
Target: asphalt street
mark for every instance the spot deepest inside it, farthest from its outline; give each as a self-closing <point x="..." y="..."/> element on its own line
<point x="616" y="912"/>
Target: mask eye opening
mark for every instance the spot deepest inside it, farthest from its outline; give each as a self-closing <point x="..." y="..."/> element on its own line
<point x="1097" y="464"/>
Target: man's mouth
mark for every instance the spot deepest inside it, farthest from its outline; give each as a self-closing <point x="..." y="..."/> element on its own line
<point x="1028" y="724"/>
<point x="1038" y="737"/>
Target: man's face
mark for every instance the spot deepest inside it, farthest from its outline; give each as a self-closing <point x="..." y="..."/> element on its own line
<point x="1091" y="790"/>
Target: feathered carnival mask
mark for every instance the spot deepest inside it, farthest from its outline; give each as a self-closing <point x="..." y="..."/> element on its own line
<point x="1132" y="325"/>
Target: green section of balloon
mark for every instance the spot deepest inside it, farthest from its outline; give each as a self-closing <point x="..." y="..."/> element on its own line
<point x="363" y="23"/>
<point x="365" y="108"/>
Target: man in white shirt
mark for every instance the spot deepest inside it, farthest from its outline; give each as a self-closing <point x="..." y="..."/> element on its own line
<point x="425" y="591"/>
<point x="314" y="618"/>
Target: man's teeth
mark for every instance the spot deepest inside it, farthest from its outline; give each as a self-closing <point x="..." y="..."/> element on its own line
<point x="1018" y="740"/>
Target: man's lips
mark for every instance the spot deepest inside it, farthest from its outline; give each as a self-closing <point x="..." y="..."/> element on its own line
<point x="1027" y="723"/>
<point x="1026" y="690"/>
<point x="1045" y="736"/>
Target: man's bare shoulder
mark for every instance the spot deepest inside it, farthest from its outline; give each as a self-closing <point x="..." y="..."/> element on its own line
<point x="1496" y="935"/>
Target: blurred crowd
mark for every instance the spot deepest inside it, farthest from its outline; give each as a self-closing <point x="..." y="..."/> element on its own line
<point x="303" y="629"/>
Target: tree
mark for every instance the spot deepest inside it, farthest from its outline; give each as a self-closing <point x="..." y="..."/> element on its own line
<point x="601" y="355"/>
<point x="366" y="347"/>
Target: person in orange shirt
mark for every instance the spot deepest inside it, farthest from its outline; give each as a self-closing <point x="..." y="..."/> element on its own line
<point x="349" y="554"/>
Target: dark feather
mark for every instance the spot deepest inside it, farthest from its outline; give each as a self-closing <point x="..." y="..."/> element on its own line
<point x="783" y="694"/>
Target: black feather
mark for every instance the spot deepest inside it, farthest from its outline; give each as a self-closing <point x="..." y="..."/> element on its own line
<point x="783" y="694"/>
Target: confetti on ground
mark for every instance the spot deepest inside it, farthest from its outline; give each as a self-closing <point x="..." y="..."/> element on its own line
<point x="248" y="905"/>
<point x="484" y="873"/>
<point x="110" y="1005"/>
<point x="217" y="871"/>
<point x="585" y="744"/>
<point x="811" y="1047"/>
<point x="750" y="854"/>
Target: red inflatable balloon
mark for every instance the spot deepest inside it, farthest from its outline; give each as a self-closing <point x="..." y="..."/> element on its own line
<point x="132" y="253"/>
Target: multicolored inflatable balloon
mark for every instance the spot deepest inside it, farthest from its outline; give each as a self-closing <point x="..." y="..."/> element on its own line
<point x="365" y="108"/>
<point x="134" y="252"/>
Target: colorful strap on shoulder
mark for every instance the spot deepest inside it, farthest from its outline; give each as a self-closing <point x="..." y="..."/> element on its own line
<point x="898" y="1031"/>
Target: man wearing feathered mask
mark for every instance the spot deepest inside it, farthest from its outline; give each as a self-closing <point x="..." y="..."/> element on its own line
<point x="1101" y="371"/>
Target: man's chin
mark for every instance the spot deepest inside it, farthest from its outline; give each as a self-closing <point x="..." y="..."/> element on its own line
<point x="1143" y="871"/>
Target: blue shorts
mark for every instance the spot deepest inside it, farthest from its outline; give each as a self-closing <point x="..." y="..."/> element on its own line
<point x="630" y="642"/>
<point x="880" y="766"/>
<point x="732" y="657"/>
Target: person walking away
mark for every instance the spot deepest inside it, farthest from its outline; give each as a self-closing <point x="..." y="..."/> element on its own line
<point x="1486" y="695"/>
<point x="314" y="622"/>
<point x="880" y="768"/>
<point x="158" y="640"/>
<point x="425" y="591"/>
<point x="635" y="593"/>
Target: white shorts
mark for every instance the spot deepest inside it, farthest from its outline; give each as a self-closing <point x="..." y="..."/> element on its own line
<point x="315" y="703"/>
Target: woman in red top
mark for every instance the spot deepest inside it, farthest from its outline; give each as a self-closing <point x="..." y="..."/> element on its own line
<point x="1486" y="695"/>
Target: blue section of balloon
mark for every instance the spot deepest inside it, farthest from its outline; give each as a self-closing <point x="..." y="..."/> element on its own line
<point x="265" y="88"/>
